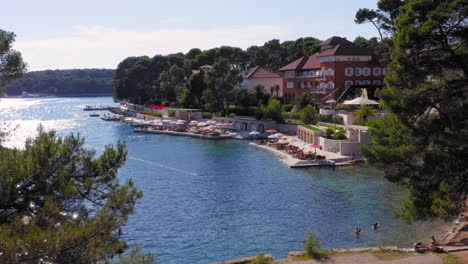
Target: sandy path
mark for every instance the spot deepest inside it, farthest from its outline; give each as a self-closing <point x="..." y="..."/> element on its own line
<point x="370" y="259"/>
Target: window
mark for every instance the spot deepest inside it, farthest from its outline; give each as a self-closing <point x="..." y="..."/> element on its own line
<point x="358" y="71"/>
<point x="289" y="74"/>
<point x="331" y="72"/>
<point x="384" y="71"/>
<point x="348" y="83"/>
<point x="358" y="82"/>
<point x="330" y="85"/>
<point x="366" y="82"/>
<point x="366" y="71"/>
<point x="290" y="85"/>
<point x="349" y="71"/>
<point x="376" y="82"/>
<point x="376" y="71"/>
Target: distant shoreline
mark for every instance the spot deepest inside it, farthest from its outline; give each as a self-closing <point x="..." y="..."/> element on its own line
<point x="62" y="95"/>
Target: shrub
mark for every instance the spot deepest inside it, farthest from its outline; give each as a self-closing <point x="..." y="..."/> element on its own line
<point x="291" y="115"/>
<point x="259" y="113"/>
<point x="360" y="122"/>
<point x="338" y="120"/>
<point x="151" y="113"/>
<point x="340" y="134"/>
<point x="172" y="113"/>
<point x="206" y="114"/>
<point x="273" y="110"/>
<point x="312" y="248"/>
<point x="309" y="115"/>
<point x="262" y="259"/>
<point x="287" y="107"/>
<point x="242" y="111"/>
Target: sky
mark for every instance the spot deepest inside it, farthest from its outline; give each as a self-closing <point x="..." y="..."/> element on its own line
<point x="72" y="34"/>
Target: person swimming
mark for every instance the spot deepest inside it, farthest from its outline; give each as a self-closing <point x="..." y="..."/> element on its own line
<point x="357" y="231"/>
<point x="375" y="226"/>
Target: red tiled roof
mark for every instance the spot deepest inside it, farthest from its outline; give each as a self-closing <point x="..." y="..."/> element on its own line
<point x="295" y="65"/>
<point x="345" y="50"/>
<point x="335" y="41"/>
<point x="312" y="62"/>
<point x="260" y="72"/>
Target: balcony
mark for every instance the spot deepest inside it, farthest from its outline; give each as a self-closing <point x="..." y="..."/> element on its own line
<point x="318" y="91"/>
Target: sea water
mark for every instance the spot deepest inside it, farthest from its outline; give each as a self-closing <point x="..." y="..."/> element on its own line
<point x="207" y="201"/>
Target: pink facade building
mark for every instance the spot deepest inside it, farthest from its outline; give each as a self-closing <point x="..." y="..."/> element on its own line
<point x="264" y="77"/>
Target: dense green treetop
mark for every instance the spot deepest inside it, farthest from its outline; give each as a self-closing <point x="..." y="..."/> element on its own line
<point x="424" y="143"/>
<point x="11" y="62"/>
<point x="64" y="82"/>
<point x="221" y="82"/>
<point x="60" y="204"/>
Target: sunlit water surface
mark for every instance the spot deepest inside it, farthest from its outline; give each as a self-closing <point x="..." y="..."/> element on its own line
<point x="207" y="201"/>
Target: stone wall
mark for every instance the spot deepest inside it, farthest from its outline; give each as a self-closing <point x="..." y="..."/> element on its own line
<point x="287" y="129"/>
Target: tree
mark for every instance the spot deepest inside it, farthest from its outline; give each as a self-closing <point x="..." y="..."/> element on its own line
<point x="277" y="88"/>
<point x="383" y="19"/>
<point x="245" y="98"/>
<point x="364" y="112"/>
<point x="221" y="82"/>
<point x="309" y="115"/>
<point x="426" y="94"/>
<point x="59" y="204"/>
<point x="258" y="89"/>
<point x="11" y="62"/>
<point x="362" y="42"/>
<point x="274" y="111"/>
<point x="303" y="100"/>
<point x="196" y="87"/>
<point x="365" y="15"/>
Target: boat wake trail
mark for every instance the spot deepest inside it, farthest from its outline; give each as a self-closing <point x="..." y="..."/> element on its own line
<point x="154" y="163"/>
<point x="164" y="166"/>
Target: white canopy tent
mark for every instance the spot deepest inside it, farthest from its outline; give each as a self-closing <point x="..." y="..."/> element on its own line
<point x="361" y="101"/>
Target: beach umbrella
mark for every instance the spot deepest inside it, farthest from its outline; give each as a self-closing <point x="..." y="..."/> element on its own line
<point x="227" y="124"/>
<point x="212" y="122"/>
<point x="315" y="146"/>
<point x="361" y="101"/>
<point x="279" y="135"/>
<point x="271" y="131"/>
<point x="253" y="133"/>
<point x="272" y="136"/>
<point x="331" y="101"/>
<point x="193" y="123"/>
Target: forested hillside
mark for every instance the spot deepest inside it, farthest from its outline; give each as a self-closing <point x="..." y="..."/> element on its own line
<point x="64" y="82"/>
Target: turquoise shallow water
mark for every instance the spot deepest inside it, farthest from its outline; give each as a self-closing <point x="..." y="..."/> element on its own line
<point x="207" y="201"/>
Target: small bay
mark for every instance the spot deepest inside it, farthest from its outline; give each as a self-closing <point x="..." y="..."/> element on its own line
<point x="207" y="201"/>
